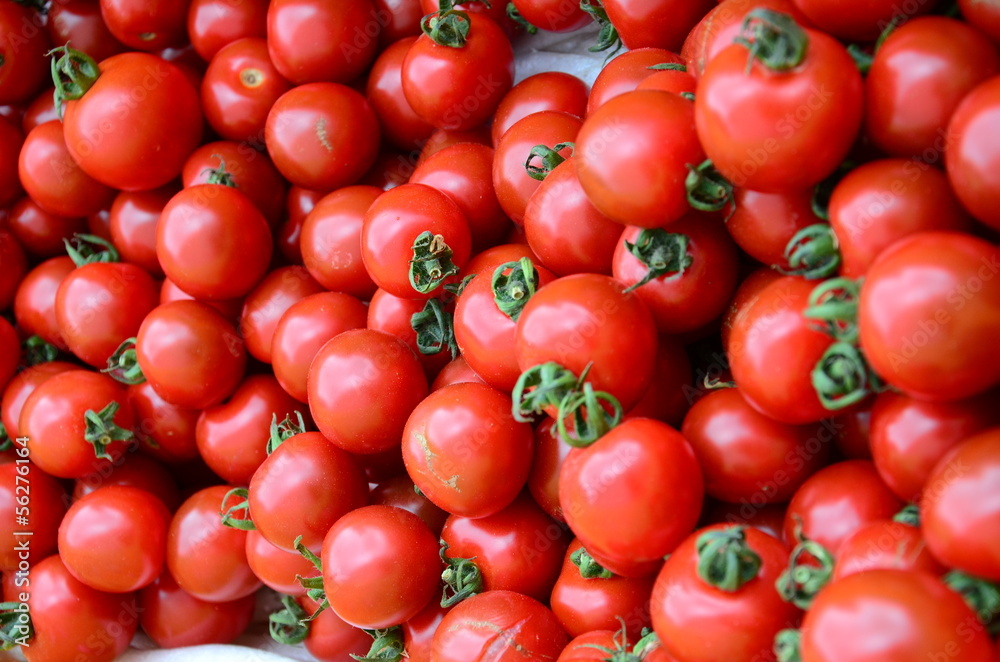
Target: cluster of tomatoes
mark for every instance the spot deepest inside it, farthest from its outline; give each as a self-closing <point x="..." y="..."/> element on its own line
<point x="695" y="364"/>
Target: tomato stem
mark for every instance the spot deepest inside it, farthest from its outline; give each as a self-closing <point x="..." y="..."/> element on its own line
<point x="388" y="646"/>
<point x="102" y="431"/>
<point x="620" y="652"/>
<point x="834" y="303"/>
<point x="73" y="73"/>
<point x="862" y="58"/>
<point x="982" y="596"/>
<point x="431" y="263"/>
<point x="462" y="578"/>
<point x="589" y="410"/>
<point x="725" y="560"/>
<point x="707" y="189"/>
<point x="88" y="248"/>
<point x="313" y="585"/>
<point x="447" y="26"/>
<point x="589" y="568"/>
<point x="813" y="252"/>
<point x="909" y="515"/>
<point x="513" y="284"/>
<point x="288" y="625"/>
<point x="787" y="645"/>
<point x="662" y="253"/>
<point x="435" y="329"/>
<point x="123" y="364"/>
<point x="608" y="35"/>
<point x="220" y="175"/>
<point x="550" y="158"/>
<point x="773" y="38"/>
<point x="514" y="14"/>
<point x="810" y="568"/>
<point x="16" y="628"/>
<point x="668" y="66"/>
<point x="237" y="516"/>
<point x="540" y="388"/>
<point x="36" y="351"/>
<point x="842" y="377"/>
<point x="285" y="430"/>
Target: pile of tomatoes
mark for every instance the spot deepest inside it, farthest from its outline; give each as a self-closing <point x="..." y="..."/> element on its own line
<point x="308" y="300"/>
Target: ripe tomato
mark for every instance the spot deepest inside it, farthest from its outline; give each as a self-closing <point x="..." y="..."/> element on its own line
<point x="365" y="412"/>
<point x="10" y="359"/>
<point x="885" y="544"/>
<point x="549" y="90"/>
<point x="624" y="72"/>
<point x="398" y="492"/>
<point x="668" y="397"/>
<point x="23" y="43"/>
<point x="331" y="241"/>
<point x="419" y="631"/>
<point x="146" y="26"/>
<point x="953" y="301"/>
<point x="592" y="645"/>
<point x="394" y="315"/>
<point x="775" y="127"/>
<point x="173" y="618"/>
<point x="972" y="151"/>
<point x="268" y="301"/>
<point x="762" y="224"/>
<point x="330" y="638"/>
<point x="40" y="233"/>
<point x="860" y="20"/>
<point x="132" y="223"/>
<point x="302" y="488"/>
<point x="648" y="518"/>
<point x="277" y="568"/>
<point x="135" y="470"/>
<point x="368" y="582"/>
<point x="498" y="626"/>
<point x="655" y="23"/>
<point x="21" y="386"/>
<point x="633" y="155"/>
<point x="27" y="491"/>
<point x="981" y="15"/>
<point x="214" y="24"/>
<point x="933" y="56"/>
<point x="891" y="616"/>
<point x="553" y="15"/>
<point x="80" y="23"/>
<point x="959" y="517"/>
<point x="464" y="450"/>
<point x="190" y="354"/>
<point x="15" y="266"/>
<point x="401" y="126"/>
<point x="164" y="431"/>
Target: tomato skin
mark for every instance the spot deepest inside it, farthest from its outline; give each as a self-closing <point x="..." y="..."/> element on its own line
<point x="400" y="124"/>
<point x="442" y="138"/>
<point x="891" y="616"/>
<point x="53" y="418"/>
<point x="981" y="15"/>
<point x="517" y="549"/>
<point x="553" y="15"/>
<point x="464" y="435"/>
<point x="549" y="90"/>
<point x="456" y="371"/>
<point x="582" y="648"/>
<point x="369" y="584"/>
<point x="278" y="568"/>
<point x="268" y="301"/>
<point x="214" y="24"/>
<point x="112" y="146"/>
<point x="579" y="320"/>
<point x="885" y="544"/>
<point x="656" y="23"/>
<point x="80" y="23"/>
<point x="207" y="559"/>
<point x="331" y="241"/>
<point x="638" y="178"/>
<point x="757" y="141"/>
<point x="549" y="454"/>
<point x="686" y="610"/>
<point x="164" y="431"/>
<point x="964" y="478"/>
<point x="394" y="315"/>
<point x="515" y="626"/>
<point x="135" y="470"/>
<point x="190" y="354"/>
<point x="40" y="233"/>
<point x="364" y="414"/>
<point x="583" y="605"/>
<point x="146" y="26"/>
<point x="322" y="136"/>
<point x="838" y="500"/>
<point x="953" y="301"/>
<point x="173" y="618"/>
<point x="47" y="507"/>
<point x="132" y="223"/>
<point x="972" y="152"/>
<point x="909" y="437"/>
<point x="661" y="471"/>
<point x="859" y="20"/>
<point x="327" y="484"/>
<point x="21" y="386"/>
<point x="459" y="88"/>
<point x="419" y="631"/>
<point x="23" y="43"/>
<point x="933" y="55"/>
<point x="15" y="266"/>
<point x="624" y="72"/>
<point x="763" y="223"/>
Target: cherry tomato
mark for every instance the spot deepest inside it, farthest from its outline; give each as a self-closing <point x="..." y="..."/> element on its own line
<point x="592" y="645"/>
<point x="394" y="315"/>
<point x="173" y="618"/>
<point x="885" y="544"/>
<point x="668" y="397"/>
<point x="28" y="492"/>
<point x="553" y="15"/>
<point x="455" y="372"/>
<point x="655" y="23"/>
<point x="10" y="343"/>
<point x="401" y="126"/>
<point x="419" y="631"/>
<point x="762" y="224"/>
<point x="23" y="43"/>
<point x="330" y="638"/>
<point x="331" y="241"/>
<point x="146" y="26"/>
<point x="135" y="470"/>
<point x="398" y="492"/>
<point x="214" y="24"/>
<point x="40" y="233"/>
<point x="981" y="15"/>
<point x="860" y="20"/>
<point x="442" y="138"/>
<point x="972" y="150"/>
<point x="277" y="568"/>
<point x="21" y="386"/>
<point x="164" y="431"/>
<point x="624" y="72"/>
<point x="133" y="219"/>
<point x="268" y="301"/>
<point x="549" y="90"/>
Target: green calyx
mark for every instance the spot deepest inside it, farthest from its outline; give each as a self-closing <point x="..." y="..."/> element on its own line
<point x="842" y="377"/>
<point x="788" y="646"/>
<point x="16" y="628"/>
<point x="549" y="157"/>
<point x="431" y="263"/>
<point x="725" y="560"/>
<point x="73" y="73"/>
<point x="123" y="365"/>
<point x="909" y="515"/>
<point x="285" y="430"/>
<point x="620" y="652"/>
<point x="313" y="585"/>
<point x="289" y="625"/>
<point x="834" y="304"/>
<point x="514" y="14"/>
<point x="220" y="175"/>
<point x="435" y="329"/>
<point x="813" y="252"/>
<point x="607" y="37"/>
<point x="102" y="431"/>
<point x="237" y="516"/>
<point x="661" y="252"/>
<point x="589" y="568"/>
<point x="774" y="39"/>
<point x="668" y="66"/>
<point x="35" y="350"/>
<point x="513" y="285"/>
<point x="461" y="578"/>
<point x="810" y="568"/>
<point x="982" y="596"/>
<point x="88" y="249"/>
<point x="707" y="189"/>
<point x="447" y="26"/>
<point x="387" y="646"/>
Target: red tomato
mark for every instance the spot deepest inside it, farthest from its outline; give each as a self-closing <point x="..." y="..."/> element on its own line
<point x="745" y="295"/>
<point x="21" y="386"/>
<point x="10" y="359"/>
<point x="302" y="488"/>
<point x="80" y="23"/>
<point x="982" y="15"/>
<point x="41" y="110"/>
<point x="648" y="518"/>
<point x="23" y="43"/>
<point x="164" y="431"/>
<point x="173" y="618"/>
<point x="668" y="397"/>
<point x="442" y="138"/>
<point x="624" y="72"/>
<point x="592" y="645"/>
<point x="972" y="150"/>
<point x="331" y="241"/>
<point x="399" y="492"/>
<point x="419" y="631"/>
<point x="891" y="616"/>
<point x="330" y="638"/>
<point x="207" y="559"/>
<point x="549" y="90"/>
<point x="401" y="126"/>
<point x="394" y="315"/>
<point x="28" y="492"/>
<point x="762" y="224"/>
<point x="277" y="568"/>
<point x="655" y="23"/>
<point x="366" y="412"/>
<point x="953" y="300"/>
<point x="633" y="156"/>
<point x="40" y="233"/>
<point x="368" y="582"/>
<point x="214" y="24"/>
<point x="15" y="266"/>
<point x="959" y="515"/>
<point x="678" y="81"/>
<point x="860" y="20"/>
<point x="190" y="354"/>
<point x="268" y="301"/>
<point x="838" y="500"/>
<point x="146" y="26"/>
<point x="455" y="372"/>
<point x="553" y="15"/>
<point x="885" y="544"/>
<point x="769" y="519"/>
<point x="35" y="302"/>
<point x="464" y="450"/>
<point x="135" y="470"/>
<point x="133" y="219"/>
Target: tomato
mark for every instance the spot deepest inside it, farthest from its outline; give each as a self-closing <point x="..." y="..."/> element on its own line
<point x="464" y="173"/>
<point x="398" y="491"/>
<point x="298" y="203"/>
<point x="592" y="645"/>
<point x="518" y="549"/>
<point x="464" y="450"/>
<point x="190" y="354"/>
<point x="21" y="386"/>
<point x="762" y="224"/>
<point x="396" y="222"/>
<point x="655" y="23"/>
<point x="553" y="15"/>
<point x="581" y="320"/>
<point x="732" y="617"/>
<point x="331" y="241"/>
<point x="624" y="72"/>
<point x="770" y="518"/>
<point x="657" y="510"/>
<point x="885" y="544"/>
<point x="400" y="124"/>
<point x="330" y="638"/>
<point x="110" y="133"/>
<point x="229" y="308"/>
<point x="678" y="81"/>
<point x="981" y="15"/>
<point x="853" y="437"/>
<point x="838" y="500"/>
<point x="40" y="233"/>
<point x="394" y="315"/>
<point x="442" y="138"/>
<point x="548" y="90"/>
<point x="302" y="488"/>
<point x="772" y="130"/>
<point x="146" y="26"/>
<point x="23" y="45"/>
<point x="10" y="184"/>
<point x="214" y="24"/>
<point x="891" y="616"/>
<point x="965" y="538"/>
<point x="860" y="20"/>
<point x="322" y="136"/>
<point x="27" y="491"/>
<point x="909" y="437"/>
<point x="953" y="301"/>
<point x="15" y="266"/>
<point x="583" y="604"/>
<point x="72" y="620"/>
<point x="173" y="618"/>
<point x="368" y="582"/>
<point x="135" y="470"/>
<point x="64" y="442"/>
<point x="498" y="626"/>
<point x="42" y="109"/>
<point x="455" y="372"/>
<point x="936" y="56"/>
<point x="133" y="219"/>
<point x="277" y="568"/>
<point x="668" y="397"/>
<point x="268" y="301"/>
<point x="491" y="258"/>
<point x="972" y="150"/>
<point x="633" y="156"/>
<point x="746" y="293"/>
<point x="419" y="631"/>
<point x="366" y="412"/>
<point x="10" y="359"/>
<point x="459" y="88"/>
<point x="565" y="230"/>
<point x="207" y="559"/>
